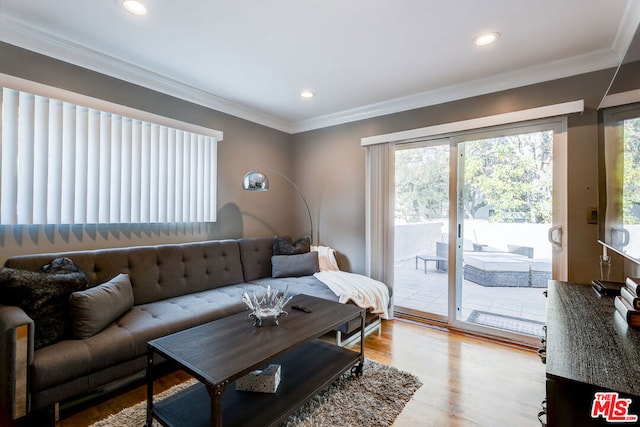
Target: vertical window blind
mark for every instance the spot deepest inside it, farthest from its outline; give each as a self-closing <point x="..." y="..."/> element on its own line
<point x="62" y="163"/>
<point x="380" y="176"/>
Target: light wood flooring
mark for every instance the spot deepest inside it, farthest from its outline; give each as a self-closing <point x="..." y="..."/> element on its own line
<point x="468" y="381"/>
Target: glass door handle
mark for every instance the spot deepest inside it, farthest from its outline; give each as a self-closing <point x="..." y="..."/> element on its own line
<point x="619" y="236"/>
<point x="555" y="235"/>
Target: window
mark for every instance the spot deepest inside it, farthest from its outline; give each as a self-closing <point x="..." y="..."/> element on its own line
<point x="64" y="163"/>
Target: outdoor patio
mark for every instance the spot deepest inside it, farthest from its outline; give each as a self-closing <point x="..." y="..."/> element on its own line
<point x="416" y="290"/>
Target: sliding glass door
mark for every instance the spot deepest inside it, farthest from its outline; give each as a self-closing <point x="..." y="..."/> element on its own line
<point x="421" y="228"/>
<point x="505" y="209"/>
<point x="472" y="216"/>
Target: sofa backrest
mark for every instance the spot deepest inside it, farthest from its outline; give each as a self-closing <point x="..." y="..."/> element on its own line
<point x="156" y="272"/>
<point x="256" y="257"/>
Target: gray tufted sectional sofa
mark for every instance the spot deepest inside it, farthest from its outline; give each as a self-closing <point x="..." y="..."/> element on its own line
<point x="174" y="286"/>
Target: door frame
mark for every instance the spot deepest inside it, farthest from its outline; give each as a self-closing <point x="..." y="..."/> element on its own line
<point x="560" y="214"/>
<point x="414" y="144"/>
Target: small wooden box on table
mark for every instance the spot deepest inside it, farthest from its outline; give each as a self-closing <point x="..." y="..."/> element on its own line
<point x="219" y="352"/>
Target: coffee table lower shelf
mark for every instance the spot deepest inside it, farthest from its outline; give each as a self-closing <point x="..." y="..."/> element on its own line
<point x="305" y="371"/>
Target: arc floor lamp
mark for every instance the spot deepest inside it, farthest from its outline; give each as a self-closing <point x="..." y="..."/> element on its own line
<point x="256" y="180"/>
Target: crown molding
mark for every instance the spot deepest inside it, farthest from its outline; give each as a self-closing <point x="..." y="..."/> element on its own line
<point x="32" y="39"/>
<point x="605" y="58"/>
<point x="26" y="37"/>
<point x="628" y="27"/>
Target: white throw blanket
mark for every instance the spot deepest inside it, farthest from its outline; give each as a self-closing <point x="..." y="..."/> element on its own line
<point x="363" y="291"/>
<point x="326" y="258"/>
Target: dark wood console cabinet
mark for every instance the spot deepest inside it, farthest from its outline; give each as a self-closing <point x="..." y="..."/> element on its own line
<point x="590" y="348"/>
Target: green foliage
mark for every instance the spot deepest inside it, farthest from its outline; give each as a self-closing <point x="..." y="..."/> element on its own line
<point x="422" y="184"/>
<point x="631" y="194"/>
<point x="511" y="175"/>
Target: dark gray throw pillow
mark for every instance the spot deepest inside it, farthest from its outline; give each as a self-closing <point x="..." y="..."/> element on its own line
<point x="294" y="265"/>
<point x="94" y="309"/>
<point x="283" y="246"/>
<point x="61" y="265"/>
<point x="44" y="297"/>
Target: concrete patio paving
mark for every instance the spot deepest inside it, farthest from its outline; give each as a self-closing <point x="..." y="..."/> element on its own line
<point x="415" y="290"/>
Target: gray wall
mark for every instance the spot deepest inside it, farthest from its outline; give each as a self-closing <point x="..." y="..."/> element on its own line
<point x="245" y="145"/>
<point x="330" y="164"/>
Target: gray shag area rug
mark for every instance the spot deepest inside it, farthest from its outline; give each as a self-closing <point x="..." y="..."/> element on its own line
<point x="374" y="399"/>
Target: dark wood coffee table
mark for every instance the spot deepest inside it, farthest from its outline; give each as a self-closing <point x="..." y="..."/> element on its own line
<point x="219" y="352"/>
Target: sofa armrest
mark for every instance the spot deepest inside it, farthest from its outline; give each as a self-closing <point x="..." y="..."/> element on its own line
<point x="16" y="352"/>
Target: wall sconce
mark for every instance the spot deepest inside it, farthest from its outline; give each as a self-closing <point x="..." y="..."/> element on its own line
<point x="256" y="180"/>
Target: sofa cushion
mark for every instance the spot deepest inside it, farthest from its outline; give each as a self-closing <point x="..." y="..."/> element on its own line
<point x="127" y="337"/>
<point x="308" y="285"/>
<point x="66" y="360"/>
<point x="44" y="296"/>
<point x="94" y="309"/>
<point x="256" y="253"/>
<point x="294" y="265"/>
<point x="149" y="321"/>
<point x="284" y="246"/>
<point x="156" y="272"/>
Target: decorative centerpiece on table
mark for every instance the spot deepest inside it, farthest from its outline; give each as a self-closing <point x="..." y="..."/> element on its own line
<point x="267" y="306"/>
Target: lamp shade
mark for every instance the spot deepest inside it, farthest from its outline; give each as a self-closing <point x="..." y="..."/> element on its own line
<point x="255" y="181"/>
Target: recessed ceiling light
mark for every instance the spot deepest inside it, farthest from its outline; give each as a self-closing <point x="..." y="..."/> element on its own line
<point x="486" y="39"/>
<point x="136" y="7"/>
<point x="307" y="94"/>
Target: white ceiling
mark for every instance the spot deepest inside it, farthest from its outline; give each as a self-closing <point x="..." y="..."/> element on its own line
<point x="363" y="58"/>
